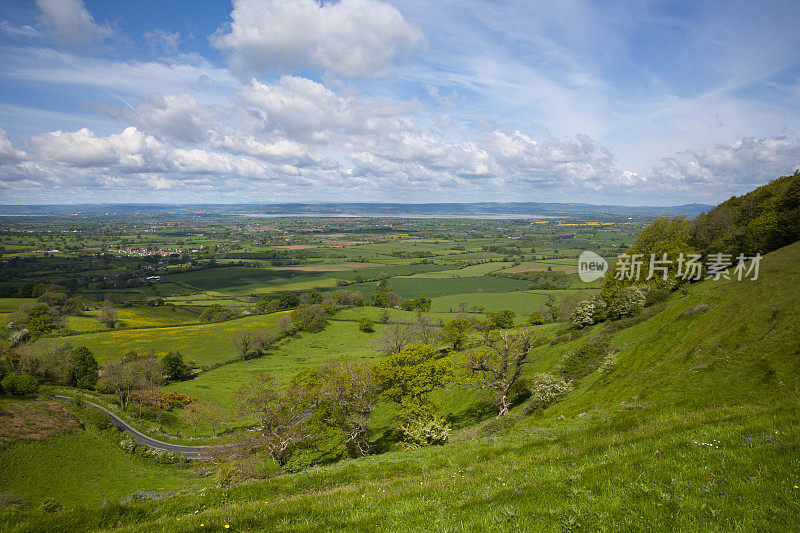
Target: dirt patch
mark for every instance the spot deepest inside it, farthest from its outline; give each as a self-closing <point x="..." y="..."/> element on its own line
<point x="339" y="267"/>
<point x="33" y="420"/>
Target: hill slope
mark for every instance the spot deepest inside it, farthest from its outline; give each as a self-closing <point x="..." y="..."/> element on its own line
<point x="696" y="428"/>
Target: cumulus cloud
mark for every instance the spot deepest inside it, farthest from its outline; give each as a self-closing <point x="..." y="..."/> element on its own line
<point x="734" y="167"/>
<point x="130" y="149"/>
<point x="352" y="38"/>
<point x="71" y="23"/>
<point x="178" y="117"/>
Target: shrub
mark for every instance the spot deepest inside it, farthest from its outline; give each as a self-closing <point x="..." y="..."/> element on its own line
<point x="366" y="325"/>
<point x="546" y="390"/>
<point x="19" y="384"/>
<point x="589" y="312"/>
<point x="628" y="302"/>
<point x="50" y="505"/>
<point x="17" y="337"/>
<point x="609" y="363"/>
<point x="425" y="431"/>
<point x="536" y="319"/>
<point x="585" y="359"/>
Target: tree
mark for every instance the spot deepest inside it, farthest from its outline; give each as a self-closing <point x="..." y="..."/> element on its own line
<point x="422" y="304"/>
<point x="278" y="411"/>
<point x="407" y="377"/>
<point x="536" y="319"/>
<point x="394" y="337"/>
<point x="83" y="369"/>
<point x="498" y="364"/>
<point x="244" y="341"/>
<point x="289" y="300"/>
<point x="19" y="384"/>
<point x="312" y="318"/>
<point x="174" y="367"/>
<point x="426" y="330"/>
<point x="285" y="326"/>
<point x="501" y="319"/>
<point x="108" y="314"/>
<point x="213" y="415"/>
<point x="341" y="395"/>
<point x="128" y="375"/>
<point x="366" y="325"/>
<point x="455" y="332"/>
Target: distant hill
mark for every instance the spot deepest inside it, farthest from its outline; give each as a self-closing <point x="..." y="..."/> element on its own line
<point x="488" y="210"/>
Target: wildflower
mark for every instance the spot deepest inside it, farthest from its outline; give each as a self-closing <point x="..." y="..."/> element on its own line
<point x="227" y="526"/>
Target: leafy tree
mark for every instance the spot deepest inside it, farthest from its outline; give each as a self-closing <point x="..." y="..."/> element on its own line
<point x="536" y="318"/>
<point x="174" y="367"/>
<point x="289" y="300"/>
<point x="408" y="376"/>
<point x="342" y="395"/>
<point x="422" y="304"/>
<point x="501" y="319"/>
<point x="366" y="325"/>
<point x="312" y="318"/>
<point x="19" y="384"/>
<point x="83" y="369"/>
<point x="455" y="332"/>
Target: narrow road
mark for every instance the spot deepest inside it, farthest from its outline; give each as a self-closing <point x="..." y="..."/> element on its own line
<point x="193" y="452"/>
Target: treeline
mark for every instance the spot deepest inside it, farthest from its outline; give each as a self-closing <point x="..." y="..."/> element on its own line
<point x="760" y="221"/>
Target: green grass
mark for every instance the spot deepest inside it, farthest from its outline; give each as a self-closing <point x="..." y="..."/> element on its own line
<point x="12" y="304"/>
<point x="248" y="280"/>
<point x="83" y="468"/>
<point x="696" y="428"/>
<point x="431" y="287"/>
<point x="206" y="344"/>
<point x="340" y="338"/>
<point x="468" y="271"/>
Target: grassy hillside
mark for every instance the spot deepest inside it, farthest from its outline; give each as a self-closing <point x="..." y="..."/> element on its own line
<point x="54" y="462"/>
<point x="696" y="428"/>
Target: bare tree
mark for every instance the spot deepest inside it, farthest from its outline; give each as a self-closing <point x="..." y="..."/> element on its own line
<point x="244" y="340"/>
<point x="285" y="326"/>
<point x="498" y="364"/>
<point x="213" y="415"/>
<point x="394" y="338"/>
<point x="108" y="314"/>
<point x="427" y="330"/>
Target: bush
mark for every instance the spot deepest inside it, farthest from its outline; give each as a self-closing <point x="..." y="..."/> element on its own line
<point x="366" y="325"/>
<point x="19" y="384"/>
<point x="425" y="431"/>
<point x="546" y="390"/>
<point x="50" y="505"/>
<point x="536" y="319"/>
<point x="585" y="359"/>
<point x="589" y="312"/>
<point x="609" y="363"/>
<point x="628" y="302"/>
<point x="98" y="419"/>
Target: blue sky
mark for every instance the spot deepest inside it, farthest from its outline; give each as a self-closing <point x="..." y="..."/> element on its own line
<point x="366" y="100"/>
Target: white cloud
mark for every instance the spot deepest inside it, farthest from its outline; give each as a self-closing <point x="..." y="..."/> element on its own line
<point x="353" y="38"/>
<point x="130" y="149"/>
<point x="731" y="168"/>
<point x="71" y="23"/>
<point x="8" y="153"/>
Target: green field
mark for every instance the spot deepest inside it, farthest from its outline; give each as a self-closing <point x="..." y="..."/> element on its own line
<point x="468" y="271"/>
<point x="431" y="287"/>
<point x="12" y="304"/>
<point x="204" y="344"/>
<point x="340" y="338"/>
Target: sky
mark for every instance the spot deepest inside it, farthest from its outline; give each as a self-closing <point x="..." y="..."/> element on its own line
<point x="260" y="101"/>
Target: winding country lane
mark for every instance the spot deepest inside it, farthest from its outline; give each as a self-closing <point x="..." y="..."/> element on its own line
<point x="187" y="451"/>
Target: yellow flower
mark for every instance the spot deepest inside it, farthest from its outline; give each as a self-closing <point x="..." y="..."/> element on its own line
<point x="227" y="526"/>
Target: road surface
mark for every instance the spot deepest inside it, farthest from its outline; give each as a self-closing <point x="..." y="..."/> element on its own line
<point x="193" y="452"/>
